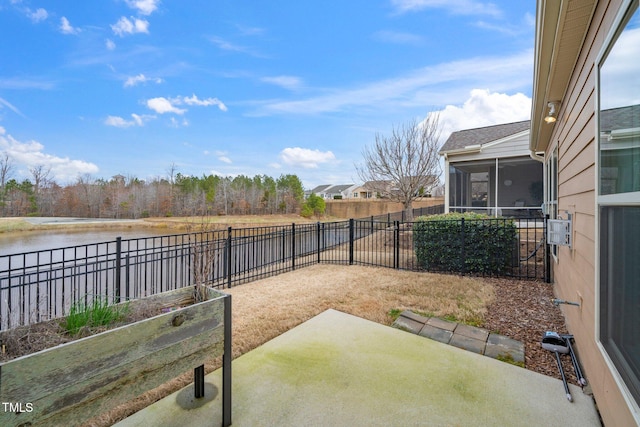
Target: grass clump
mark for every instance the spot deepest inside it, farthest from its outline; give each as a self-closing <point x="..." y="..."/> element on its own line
<point x="98" y="313"/>
<point x="507" y="358"/>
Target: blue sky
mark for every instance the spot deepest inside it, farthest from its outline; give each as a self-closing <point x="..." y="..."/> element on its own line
<point x="235" y="87"/>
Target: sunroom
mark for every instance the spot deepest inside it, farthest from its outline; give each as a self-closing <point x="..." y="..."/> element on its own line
<point x="491" y="171"/>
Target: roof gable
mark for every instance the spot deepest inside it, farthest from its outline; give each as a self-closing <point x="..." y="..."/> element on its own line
<point x="480" y="136"/>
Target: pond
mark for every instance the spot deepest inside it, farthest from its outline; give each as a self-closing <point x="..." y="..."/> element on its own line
<point x="29" y="241"/>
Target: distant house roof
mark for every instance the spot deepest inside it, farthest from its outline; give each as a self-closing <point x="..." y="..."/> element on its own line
<point x="320" y="188"/>
<point x="478" y="136"/>
<point x="340" y="188"/>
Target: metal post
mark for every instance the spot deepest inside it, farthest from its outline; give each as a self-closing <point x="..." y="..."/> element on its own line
<point x="293" y="246"/>
<point x="396" y="245"/>
<point x="318" y="239"/>
<point x="118" y="267"/>
<point x="198" y="382"/>
<point x="351" y="224"/>
<point x="228" y="257"/>
<point x="127" y="282"/>
<point x="462" y="247"/>
<point x="547" y="251"/>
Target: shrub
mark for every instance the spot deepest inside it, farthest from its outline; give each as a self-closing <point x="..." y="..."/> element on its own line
<point x="314" y="205"/>
<point x="465" y="243"/>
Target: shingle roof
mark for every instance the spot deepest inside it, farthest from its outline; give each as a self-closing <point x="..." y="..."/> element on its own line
<point x="620" y="118"/>
<point x="460" y="139"/>
<point x="320" y="188"/>
<point x="339" y="188"/>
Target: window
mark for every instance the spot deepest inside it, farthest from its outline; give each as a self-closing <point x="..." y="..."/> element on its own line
<point x="619" y="199"/>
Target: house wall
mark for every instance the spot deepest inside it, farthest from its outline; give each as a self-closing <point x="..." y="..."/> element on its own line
<point x="514" y="146"/>
<point x="575" y="269"/>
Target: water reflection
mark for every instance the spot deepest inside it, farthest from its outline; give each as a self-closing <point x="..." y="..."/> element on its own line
<point x="28" y="241"/>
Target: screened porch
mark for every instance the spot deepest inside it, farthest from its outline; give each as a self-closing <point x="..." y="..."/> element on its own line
<point x="509" y="187"/>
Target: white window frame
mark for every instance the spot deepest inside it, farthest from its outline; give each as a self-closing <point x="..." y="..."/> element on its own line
<point x="620" y="199"/>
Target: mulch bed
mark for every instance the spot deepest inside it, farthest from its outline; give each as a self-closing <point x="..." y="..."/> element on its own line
<point x="523" y="311"/>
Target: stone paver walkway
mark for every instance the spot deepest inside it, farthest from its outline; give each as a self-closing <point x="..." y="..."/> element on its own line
<point x="462" y="336"/>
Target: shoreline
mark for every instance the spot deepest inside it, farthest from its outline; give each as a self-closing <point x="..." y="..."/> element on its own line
<point x="194" y="223"/>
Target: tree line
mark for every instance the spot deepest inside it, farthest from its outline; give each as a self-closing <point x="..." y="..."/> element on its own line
<point x="130" y="197"/>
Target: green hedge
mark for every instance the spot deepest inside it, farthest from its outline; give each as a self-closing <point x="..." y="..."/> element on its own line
<point x="466" y="243"/>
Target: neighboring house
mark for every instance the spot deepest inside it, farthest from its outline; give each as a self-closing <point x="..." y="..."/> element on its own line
<point x="320" y="190"/>
<point x="386" y="189"/>
<point x="344" y="191"/>
<point x="586" y="123"/>
<point x="490" y="170"/>
<point x="330" y="191"/>
<point x="372" y="189"/>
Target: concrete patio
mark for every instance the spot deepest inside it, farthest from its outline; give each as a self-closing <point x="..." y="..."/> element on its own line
<point x="341" y="370"/>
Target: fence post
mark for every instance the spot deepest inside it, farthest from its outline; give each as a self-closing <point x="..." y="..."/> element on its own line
<point x="228" y="257"/>
<point x="547" y="251"/>
<point x="351" y="234"/>
<point x="284" y="244"/>
<point x="318" y="237"/>
<point x="462" y="248"/>
<point x="396" y="245"/>
<point x="118" y="269"/>
<point x="293" y="246"/>
<point x="127" y="284"/>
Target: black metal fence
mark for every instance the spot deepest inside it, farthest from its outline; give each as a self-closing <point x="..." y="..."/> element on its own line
<point x="40" y="285"/>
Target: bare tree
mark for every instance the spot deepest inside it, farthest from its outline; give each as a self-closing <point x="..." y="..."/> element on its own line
<point x="405" y="165"/>
<point x="40" y="177"/>
<point x="6" y="168"/>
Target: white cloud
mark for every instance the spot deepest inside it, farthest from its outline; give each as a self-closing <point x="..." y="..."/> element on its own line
<point x="193" y="100"/>
<point x="5" y="103"/>
<point x="119" y="122"/>
<point x="125" y="26"/>
<point x="66" y="27"/>
<point x="287" y="82"/>
<point x="231" y="47"/>
<point x="225" y="45"/>
<point x="397" y="37"/>
<point x="305" y="158"/>
<point x="109" y="44"/>
<point x="144" y="7"/>
<point x="38" y="15"/>
<point x="178" y="123"/>
<point x="31" y="154"/>
<point x="484" y="108"/>
<point x="419" y="88"/>
<point x="223" y="157"/>
<point x="162" y="105"/>
<point x="620" y="72"/>
<point x="457" y="7"/>
<point x="250" y="31"/>
<point x="141" y="78"/>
